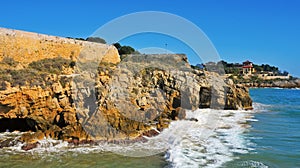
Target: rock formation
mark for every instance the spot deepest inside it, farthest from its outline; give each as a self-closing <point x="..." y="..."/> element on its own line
<point x="291" y="83"/>
<point x="73" y="90"/>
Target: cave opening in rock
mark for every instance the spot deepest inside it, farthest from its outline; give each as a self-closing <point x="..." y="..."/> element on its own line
<point x="17" y="124"/>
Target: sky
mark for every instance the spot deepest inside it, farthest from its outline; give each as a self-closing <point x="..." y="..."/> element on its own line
<point x="262" y="31"/>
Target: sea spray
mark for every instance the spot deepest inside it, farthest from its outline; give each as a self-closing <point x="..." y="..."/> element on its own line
<point x="207" y="138"/>
<point x="236" y="140"/>
<point x="212" y="143"/>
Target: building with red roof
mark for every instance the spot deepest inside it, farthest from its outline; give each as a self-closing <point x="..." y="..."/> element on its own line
<point x="248" y="68"/>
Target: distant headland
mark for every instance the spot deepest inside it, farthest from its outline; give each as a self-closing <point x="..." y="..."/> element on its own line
<point x="253" y="75"/>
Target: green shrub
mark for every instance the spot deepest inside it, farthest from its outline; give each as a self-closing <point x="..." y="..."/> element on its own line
<point x="26" y="76"/>
<point x="96" y="40"/>
<point x="123" y="50"/>
<point x="126" y="50"/>
<point x="5" y="76"/>
<point x="51" y="65"/>
<point x="9" y="61"/>
<point x="35" y="74"/>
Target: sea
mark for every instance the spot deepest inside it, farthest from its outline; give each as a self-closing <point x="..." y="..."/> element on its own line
<point x="268" y="136"/>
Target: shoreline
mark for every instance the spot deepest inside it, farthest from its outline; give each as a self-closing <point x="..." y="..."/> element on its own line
<point x="292" y="88"/>
<point x="288" y="84"/>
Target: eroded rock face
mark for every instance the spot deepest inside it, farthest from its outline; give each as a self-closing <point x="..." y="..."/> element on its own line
<point x="97" y="97"/>
<point x="144" y="92"/>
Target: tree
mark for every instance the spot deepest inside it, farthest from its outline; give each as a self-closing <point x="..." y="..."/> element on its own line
<point x="126" y="50"/>
<point x="96" y="40"/>
<point x="258" y="68"/>
<point x="117" y="45"/>
<point x="82" y="39"/>
<point x="285" y="73"/>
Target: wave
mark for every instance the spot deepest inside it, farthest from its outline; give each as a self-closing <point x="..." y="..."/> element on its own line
<point x="208" y="138"/>
<point x="213" y="142"/>
<point x="287" y="88"/>
<point x="251" y="163"/>
<point x="260" y="107"/>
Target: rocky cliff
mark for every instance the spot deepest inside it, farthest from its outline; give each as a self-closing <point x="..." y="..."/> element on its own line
<point x="279" y="83"/>
<point x="73" y="90"/>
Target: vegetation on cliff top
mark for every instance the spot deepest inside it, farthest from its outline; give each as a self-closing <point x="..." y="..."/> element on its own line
<point x="91" y="39"/>
<point x="236" y="68"/>
<point x="34" y="74"/>
<point x="123" y="50"/>
<point x="263" y="75"/>
<point x="51" y="65"/>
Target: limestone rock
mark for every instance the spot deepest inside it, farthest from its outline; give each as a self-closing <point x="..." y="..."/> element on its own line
<point x="105" y="98"/>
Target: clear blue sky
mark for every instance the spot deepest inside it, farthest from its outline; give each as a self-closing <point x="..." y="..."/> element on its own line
<point x="263" y="31"/>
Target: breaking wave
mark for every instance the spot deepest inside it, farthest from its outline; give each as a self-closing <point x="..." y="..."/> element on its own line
<point x="207" y="138"/>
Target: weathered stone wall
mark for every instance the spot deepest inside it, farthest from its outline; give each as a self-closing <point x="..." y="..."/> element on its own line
<point x="26" y="47"/>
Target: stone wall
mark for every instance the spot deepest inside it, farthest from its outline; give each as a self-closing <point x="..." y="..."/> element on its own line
<point x="26" y="47"/>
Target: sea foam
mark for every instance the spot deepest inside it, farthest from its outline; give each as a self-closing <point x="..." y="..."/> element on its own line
<point x="207" y="138"/>
<point x="212" y="141"/>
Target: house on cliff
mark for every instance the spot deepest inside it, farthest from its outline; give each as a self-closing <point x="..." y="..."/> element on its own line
<point x="248" y="68"/>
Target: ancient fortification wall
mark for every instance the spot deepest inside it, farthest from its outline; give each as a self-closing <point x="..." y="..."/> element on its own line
<point x="26" y="47"/>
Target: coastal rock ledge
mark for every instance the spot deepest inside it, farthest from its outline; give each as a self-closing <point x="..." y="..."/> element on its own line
<point x="81" y="91"/>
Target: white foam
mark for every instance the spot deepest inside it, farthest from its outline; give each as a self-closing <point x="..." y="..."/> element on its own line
<point x="210" y="142"/>
<point x="259" y="107"/>
<point x="253" y="163"/>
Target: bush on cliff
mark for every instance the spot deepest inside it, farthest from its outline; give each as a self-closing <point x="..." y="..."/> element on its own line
<point x="5" y="76"/>
<point x="125" y="50"/>
<point x="21" y="77"/>
<point x="51" y="65"/>
<point x="26" y="77"/>
<point x="96" y="40"/>
<point x="34" y="75"/>
<point x="9" y="61"/>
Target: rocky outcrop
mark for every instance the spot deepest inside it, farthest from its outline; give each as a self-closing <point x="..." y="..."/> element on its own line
<point x="91" y="95"/>
<point x="291" y="83"/>
<point x="149" y="91"/>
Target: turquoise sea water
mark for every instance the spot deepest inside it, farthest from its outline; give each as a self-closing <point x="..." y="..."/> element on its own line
<point x="268" y="136"/>
<point x="276" y="134"/>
